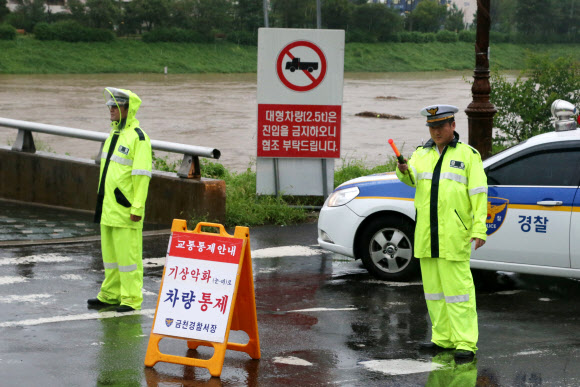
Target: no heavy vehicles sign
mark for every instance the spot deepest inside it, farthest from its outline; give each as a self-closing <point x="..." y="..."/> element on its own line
<point x="301" y="65"/>
<point x="300" y="79"/>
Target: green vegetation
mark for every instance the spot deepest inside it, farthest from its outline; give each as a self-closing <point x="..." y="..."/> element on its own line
<point x="7" y="32"/>
<point x="30" y="56"/>
<point x="520" y="21"/>
<point x="245" y="208"/>
<point x="176" y="35"/>
<point x="524" y="105"/>
<point x="352" y="169"/>
<point x="71" y="31"/>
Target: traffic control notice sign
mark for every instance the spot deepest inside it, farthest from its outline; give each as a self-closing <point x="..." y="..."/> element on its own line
<point x="198" y="286"/>
<point x="300" y="81"/>
<point x="207" y="289"/>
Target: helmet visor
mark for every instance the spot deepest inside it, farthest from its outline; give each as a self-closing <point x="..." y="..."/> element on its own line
<point x="115" y="97"/>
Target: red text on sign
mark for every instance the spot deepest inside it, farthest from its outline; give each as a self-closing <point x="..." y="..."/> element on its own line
<point x="299" y="131"/>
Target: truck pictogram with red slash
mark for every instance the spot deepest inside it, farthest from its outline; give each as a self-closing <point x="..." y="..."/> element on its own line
<point x="296" y="64"/>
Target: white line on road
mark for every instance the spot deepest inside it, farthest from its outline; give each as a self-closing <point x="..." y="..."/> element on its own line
<point x="532" y="352"/>
<point x="286" y="251"/>
<point x="25" y="298"/>
<point x="322" y="309"/>
<point x="11" y="280"/>
<point x="508" y="292"/>
<point x="400" y="366"/>
<point x="394" y="284"/>
<point x="42" y="258"/>
<point x="71" y="277"/>
<point x="75" y="317"/>
<point x="292" y="360"/>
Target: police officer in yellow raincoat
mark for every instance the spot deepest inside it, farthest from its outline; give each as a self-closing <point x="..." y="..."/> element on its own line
<point x="123" y="184"/>
<point x="451" y="204"/>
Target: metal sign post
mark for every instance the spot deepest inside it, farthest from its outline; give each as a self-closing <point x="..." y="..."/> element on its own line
<point x="300" y="81"/>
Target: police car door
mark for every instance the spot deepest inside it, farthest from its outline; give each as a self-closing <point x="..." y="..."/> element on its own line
<point x="530" y="199"/>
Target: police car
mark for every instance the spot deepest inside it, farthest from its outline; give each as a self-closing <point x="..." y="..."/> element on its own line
<point x="533" y="211"/>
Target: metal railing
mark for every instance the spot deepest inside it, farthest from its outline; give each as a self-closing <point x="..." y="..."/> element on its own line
<point x="190" y="167"/>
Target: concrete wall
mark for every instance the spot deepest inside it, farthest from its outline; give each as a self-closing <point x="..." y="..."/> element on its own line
<point x="70" y="182"/>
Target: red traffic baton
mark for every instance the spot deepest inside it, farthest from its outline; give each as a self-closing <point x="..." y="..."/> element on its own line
<point x="400" y="157"/>
<point x="397" y="153"/>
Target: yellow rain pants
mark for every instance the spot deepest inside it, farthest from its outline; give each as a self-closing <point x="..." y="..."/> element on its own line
<point x="450" y="295"/>
<point x="122" y="257"/>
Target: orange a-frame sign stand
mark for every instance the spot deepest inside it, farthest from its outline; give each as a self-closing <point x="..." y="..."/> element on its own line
<point x="242" y="316"/>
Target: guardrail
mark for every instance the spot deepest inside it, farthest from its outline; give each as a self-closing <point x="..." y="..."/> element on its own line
<point x="190" y="167"/>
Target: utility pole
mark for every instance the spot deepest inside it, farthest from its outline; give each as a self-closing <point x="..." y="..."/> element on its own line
<point x="480" y="111"/>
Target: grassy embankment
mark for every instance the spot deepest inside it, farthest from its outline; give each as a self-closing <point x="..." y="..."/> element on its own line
<point x="28" y="56"/>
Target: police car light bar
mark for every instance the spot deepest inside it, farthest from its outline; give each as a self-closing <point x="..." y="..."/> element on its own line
<point x="564" y="112"/>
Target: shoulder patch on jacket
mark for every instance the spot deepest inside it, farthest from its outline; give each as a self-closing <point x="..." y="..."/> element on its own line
<point x="472" y="148"/>
<point x="140" y="134"/>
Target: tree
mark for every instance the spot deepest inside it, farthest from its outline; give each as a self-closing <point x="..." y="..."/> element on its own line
<point x="182" y="14"/>
<point x="428" y="16"/>
<point x="78" y="10"/>
<point x="151" y="13"/>
<point x="248" y="15"/>
<point x="30" y="12"/>
<point x="377" y="19"/>
<point x="103" y="13"/>
<point x="534" y="17"/>
<point x="294" y="13"/>
<point x="454" y="19"/>
<point x="212" y="15"/>
<point x="565" y="15"/>
<point x="503" y="14"/>
<point x="3" y="9"/>
<point x="204" y="16"/>
<point x="524" y="105"/>
<point x="336" y="14"/>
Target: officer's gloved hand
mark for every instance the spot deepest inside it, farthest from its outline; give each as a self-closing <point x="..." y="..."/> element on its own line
<point x="403" y="167"/>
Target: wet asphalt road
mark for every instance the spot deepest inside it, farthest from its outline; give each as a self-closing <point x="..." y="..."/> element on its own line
<point x="322" y="321"/>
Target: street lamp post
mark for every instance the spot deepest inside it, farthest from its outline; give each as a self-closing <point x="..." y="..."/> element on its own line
<point x="480" y="111"/>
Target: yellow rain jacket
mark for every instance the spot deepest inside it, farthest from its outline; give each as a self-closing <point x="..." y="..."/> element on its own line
<point x="125" y="171"/>
<point x="451" y="199"/>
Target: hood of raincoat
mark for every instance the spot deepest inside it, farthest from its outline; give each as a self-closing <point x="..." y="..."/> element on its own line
<point x="119" y="97"/>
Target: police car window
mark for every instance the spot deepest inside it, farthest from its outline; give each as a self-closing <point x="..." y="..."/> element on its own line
<point x="558" y="167"/>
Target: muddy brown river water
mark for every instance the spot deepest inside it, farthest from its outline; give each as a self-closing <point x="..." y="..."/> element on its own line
<point x="219" y="110"/>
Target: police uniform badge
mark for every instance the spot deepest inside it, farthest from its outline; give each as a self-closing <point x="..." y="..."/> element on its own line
<point x="439" y="114"/>
<point x="123" y="150"/>
<point x="168" y="322"/>
<point x="457" y="164"/>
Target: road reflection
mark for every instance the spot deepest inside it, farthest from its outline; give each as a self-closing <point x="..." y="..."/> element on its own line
<point x="119" y="360"/>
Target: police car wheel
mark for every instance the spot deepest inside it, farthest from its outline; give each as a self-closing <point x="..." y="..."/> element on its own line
<point x="386" y="248"/>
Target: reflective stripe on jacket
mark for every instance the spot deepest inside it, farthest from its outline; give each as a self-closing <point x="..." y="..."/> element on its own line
<point x="126" y="164"/>
<point x="451" y="199"/>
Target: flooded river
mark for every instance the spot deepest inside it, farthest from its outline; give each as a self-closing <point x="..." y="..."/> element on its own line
<point x="218" y="110"/>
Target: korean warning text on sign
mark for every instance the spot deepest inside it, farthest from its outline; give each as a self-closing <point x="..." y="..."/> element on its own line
<point x="299" y="130"/>
<point x="198" y="286"/>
